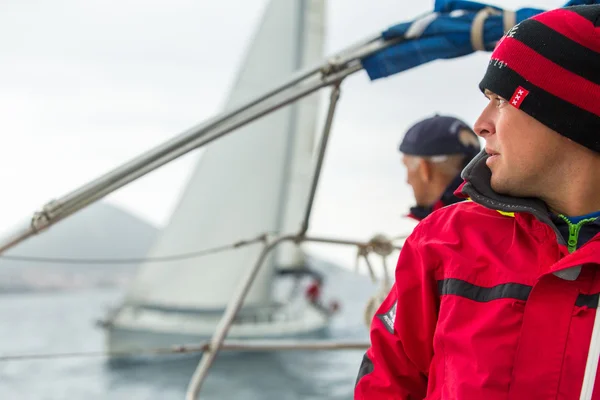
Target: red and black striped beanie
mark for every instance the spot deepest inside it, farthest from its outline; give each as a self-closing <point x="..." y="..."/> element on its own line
<point x="549" y="67"/>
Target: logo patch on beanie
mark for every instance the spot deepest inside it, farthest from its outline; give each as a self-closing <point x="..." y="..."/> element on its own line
<point x="518" y="97"/>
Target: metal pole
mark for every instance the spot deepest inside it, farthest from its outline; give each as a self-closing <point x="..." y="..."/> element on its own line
<point x="341" y="65"/>
<point x="335" y="95"/>
<point x="15" y="234"/>
<point x="232" y="309"/>
<point x="58" y="209"/>
<point x="236" y="303"/>
<point x="268" y="345"/>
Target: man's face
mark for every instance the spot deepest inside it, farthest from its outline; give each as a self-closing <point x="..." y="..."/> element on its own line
<point x="523" y="152"/>
<point x="415" y="178"/>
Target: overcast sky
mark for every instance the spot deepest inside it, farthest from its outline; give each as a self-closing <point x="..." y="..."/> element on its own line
<point x="85" y="86"/>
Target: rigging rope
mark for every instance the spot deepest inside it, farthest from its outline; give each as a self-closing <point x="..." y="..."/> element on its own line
<point x="174" y="257"/>
<point x="169" y="258"/>
<point x="382" y="246"/>
<point x="237" y="345"/>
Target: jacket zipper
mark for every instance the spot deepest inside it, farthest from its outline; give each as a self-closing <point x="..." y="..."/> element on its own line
<point x="574" y="230"/>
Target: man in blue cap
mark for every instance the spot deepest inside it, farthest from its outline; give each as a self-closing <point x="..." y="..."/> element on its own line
<point x="435" y="151"/>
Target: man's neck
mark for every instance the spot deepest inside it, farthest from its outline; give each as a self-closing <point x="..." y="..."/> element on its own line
<point x="579" y="197"/>
<point x="438" y="188"/>
<point x="572" y="209"/>
<point x="574" y="190"/>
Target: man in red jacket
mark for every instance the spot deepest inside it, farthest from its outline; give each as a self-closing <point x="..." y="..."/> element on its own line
<point x="434" y="151"/>
<point x="496" y="298"/>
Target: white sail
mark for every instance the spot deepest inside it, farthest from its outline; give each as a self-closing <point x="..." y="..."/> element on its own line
<point x="252" y="181"/>
<point x="302" y="138"/>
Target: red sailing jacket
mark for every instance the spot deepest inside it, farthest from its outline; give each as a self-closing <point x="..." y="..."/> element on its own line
<point x="487" y="304"/>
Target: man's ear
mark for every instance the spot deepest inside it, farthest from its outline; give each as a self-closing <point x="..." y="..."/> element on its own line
<point x="425" y="170"/>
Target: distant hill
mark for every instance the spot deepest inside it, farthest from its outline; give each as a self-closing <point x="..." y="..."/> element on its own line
<point x="99" y="231"/>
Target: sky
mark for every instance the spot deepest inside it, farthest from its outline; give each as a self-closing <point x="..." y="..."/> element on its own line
<point x="86" y="86"/>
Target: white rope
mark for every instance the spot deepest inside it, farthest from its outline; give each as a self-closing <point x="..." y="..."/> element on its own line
<point x="509" y="18"/>
<point x="416" y="29"/>
<point x="477" y="28"/>
<point x="379" y="297"/>
<point x="382" y="246"/>
<point x="373" y="305"/>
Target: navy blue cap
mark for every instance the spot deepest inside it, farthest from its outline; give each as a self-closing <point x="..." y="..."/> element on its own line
<point x="440" y="135"/>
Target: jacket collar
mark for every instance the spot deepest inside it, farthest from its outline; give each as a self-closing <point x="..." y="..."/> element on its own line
<point x="477" y="186"/>
<point x="448" y="197"/>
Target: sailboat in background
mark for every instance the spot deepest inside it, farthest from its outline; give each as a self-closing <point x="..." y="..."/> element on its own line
<point x="254" y="181"/>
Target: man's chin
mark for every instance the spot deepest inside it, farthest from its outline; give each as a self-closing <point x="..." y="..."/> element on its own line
<point x="499" y="185"/>
<point x="507" y="187"/>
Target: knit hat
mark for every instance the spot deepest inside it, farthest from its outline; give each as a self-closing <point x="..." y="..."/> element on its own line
<point x="549" y="67"/>
<point x="440" y="135"/>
